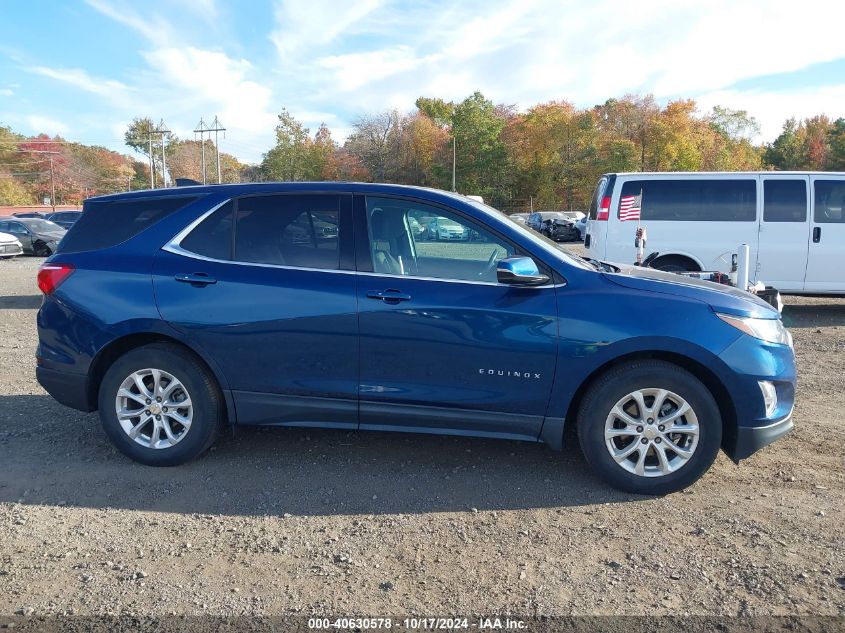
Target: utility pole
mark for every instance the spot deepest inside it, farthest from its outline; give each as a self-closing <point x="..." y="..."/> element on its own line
<point x="216" y="127"/>
<point x="202" y="128"/>
<point x="454" y="157"/>
<point x="52" y="174"/>
<point x="152" y="166"/>
<point x="162" y="130"/>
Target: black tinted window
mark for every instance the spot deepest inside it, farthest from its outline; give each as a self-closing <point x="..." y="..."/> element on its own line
<point x="784" y="201"/>
<point x="830" y="200"/>
<point x="107" y="223"/>
<point x="213" y="236"/>
<point x="695" y="200"/>
<point x="288" y="230"/>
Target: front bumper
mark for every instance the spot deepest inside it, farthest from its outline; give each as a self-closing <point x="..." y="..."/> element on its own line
<point x="68" y="388"/>
<point x="750" y="439"/>
<point x="750" y="361"/>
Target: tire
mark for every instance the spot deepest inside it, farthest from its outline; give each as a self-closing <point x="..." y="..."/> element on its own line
<point x="610" y="389"/>
<point x="40" y="249"/>
<point x="675" y="264"/>
<point x="206" y="414"/>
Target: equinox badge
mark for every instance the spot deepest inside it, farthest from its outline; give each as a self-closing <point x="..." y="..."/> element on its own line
<point x="511" y="374"/>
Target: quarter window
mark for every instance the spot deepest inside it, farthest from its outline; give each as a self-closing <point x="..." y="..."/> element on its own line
<point x="288" y="230"/>
<point x="213" y="236"/>
<point x="696" y="200"/>
<point x="829" y="201"/>
<point x="409" y="238"/>
<point x="784" y="201"/>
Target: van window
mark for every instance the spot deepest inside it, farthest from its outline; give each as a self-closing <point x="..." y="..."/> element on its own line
<point x="597" y="194"/>
<point x="107" y="223"/>
<point x="784" y="201"/>
<point x="830" y="200"/>
<point x="695" y="200"/>
<point x="288" y="230"/>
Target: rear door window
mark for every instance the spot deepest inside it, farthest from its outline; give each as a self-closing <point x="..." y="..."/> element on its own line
<point x="696" y="200"/>
<point x="107" y="223"/>
<point x="785" y="201"/>
<point x="830" y="201"/>
<point x="289" y="230"/>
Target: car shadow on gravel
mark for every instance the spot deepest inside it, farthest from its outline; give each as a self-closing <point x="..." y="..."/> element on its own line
<point x="52" y="455"/>
<point x="20" y="302"/>
<point x="814" y="315"/>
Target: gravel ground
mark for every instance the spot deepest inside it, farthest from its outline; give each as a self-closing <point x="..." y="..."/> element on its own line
<point x="281" y="521"/>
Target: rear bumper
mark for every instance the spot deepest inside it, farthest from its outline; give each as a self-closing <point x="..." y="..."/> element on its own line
<point x="67" y="388"/>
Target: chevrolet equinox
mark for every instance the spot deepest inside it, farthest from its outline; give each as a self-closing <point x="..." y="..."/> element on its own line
<point x="176" y="312"/>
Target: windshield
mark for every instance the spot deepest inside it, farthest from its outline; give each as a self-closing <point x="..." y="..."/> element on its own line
<point x="534" y="236"/>
<point x="40" y="226"/>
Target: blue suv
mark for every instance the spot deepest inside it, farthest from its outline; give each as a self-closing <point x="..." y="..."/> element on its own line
<point x="176" y="312"/>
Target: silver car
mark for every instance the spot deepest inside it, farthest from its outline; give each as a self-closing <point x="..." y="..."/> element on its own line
<point x="37" y="236"/>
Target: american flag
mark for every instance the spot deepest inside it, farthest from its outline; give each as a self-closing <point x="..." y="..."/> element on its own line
<point x="629" y="207"/>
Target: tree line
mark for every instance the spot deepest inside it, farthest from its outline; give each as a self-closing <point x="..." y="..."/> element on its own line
<point x="547" y="157"/>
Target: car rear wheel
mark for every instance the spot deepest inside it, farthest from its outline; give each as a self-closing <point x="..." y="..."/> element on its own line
<point x="649" y="427"/>
<point x="160" y="406"/>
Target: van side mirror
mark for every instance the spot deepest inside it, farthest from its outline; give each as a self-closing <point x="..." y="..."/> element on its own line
<point x="519" y="271"/>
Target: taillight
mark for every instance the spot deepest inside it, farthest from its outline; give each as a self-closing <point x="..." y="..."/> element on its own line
<point x="51" y="276"/>
<point x="604" y="209"/>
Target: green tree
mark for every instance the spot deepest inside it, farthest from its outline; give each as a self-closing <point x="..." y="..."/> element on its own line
<point x="289" y="159"/>
<point x="836" y="143"/>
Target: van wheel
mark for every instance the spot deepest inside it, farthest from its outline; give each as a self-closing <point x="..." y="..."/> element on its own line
<point x="160" y="406"/>
<point x="649" y="427"/>
<point x="675" y="264"/>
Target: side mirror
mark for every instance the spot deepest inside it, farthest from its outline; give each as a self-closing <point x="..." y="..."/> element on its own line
<point x="520" y="271"/>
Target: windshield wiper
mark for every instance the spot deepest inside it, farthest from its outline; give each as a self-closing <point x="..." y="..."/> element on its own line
<point x="600" y="266"/>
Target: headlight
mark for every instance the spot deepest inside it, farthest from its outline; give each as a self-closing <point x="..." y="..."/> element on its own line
<point x="769" y="330"/>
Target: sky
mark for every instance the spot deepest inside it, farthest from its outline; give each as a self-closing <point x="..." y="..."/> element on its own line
<point x="84" y="68"/>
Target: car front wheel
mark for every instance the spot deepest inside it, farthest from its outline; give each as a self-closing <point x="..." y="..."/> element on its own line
<point x="160" y="406"/>
<point x="649" y="427"/>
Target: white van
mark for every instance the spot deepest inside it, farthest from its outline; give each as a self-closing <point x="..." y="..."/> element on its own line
<point x="793" y="223"/>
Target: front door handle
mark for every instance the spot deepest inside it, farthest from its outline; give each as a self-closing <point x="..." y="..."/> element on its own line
<point x="817" y="234"/>
<point x="196" y="279"/>
<point x="388" y="296"/>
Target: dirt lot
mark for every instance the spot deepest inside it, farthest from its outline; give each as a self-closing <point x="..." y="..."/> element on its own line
<point x="277" y="521"/>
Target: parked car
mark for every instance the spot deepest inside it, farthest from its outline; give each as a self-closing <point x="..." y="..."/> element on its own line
<point x="793" y="223"/>
<point x="37" y="237"/>
<point x="10" y="246"/>
<point x="64" y="219"/>
<point x="177" y="313"/>
<point x="447" y="229"/>
<point x="560" y="230"/>
<point x="522" y="218"/>
<point x="581" y="225"/>
<point x="30" y="214"/>
<point x="537" y="219"/>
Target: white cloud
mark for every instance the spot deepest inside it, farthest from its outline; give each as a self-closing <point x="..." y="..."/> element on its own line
<point x="303" y="26"/>
<point x="151" y="26"/>
<point x="6" y="92"/>
<point x="771" y="109"/>
<point x="113" y="90"/>
<point x="44" y="124"/>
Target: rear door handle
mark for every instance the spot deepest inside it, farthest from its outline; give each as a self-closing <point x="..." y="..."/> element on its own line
<point x="388" y="296"/>
<point x="817" y="234"/>
<point x="196" y="279"/>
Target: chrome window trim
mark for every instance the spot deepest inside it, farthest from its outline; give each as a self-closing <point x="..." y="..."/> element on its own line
<point x="174" y="246"/>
